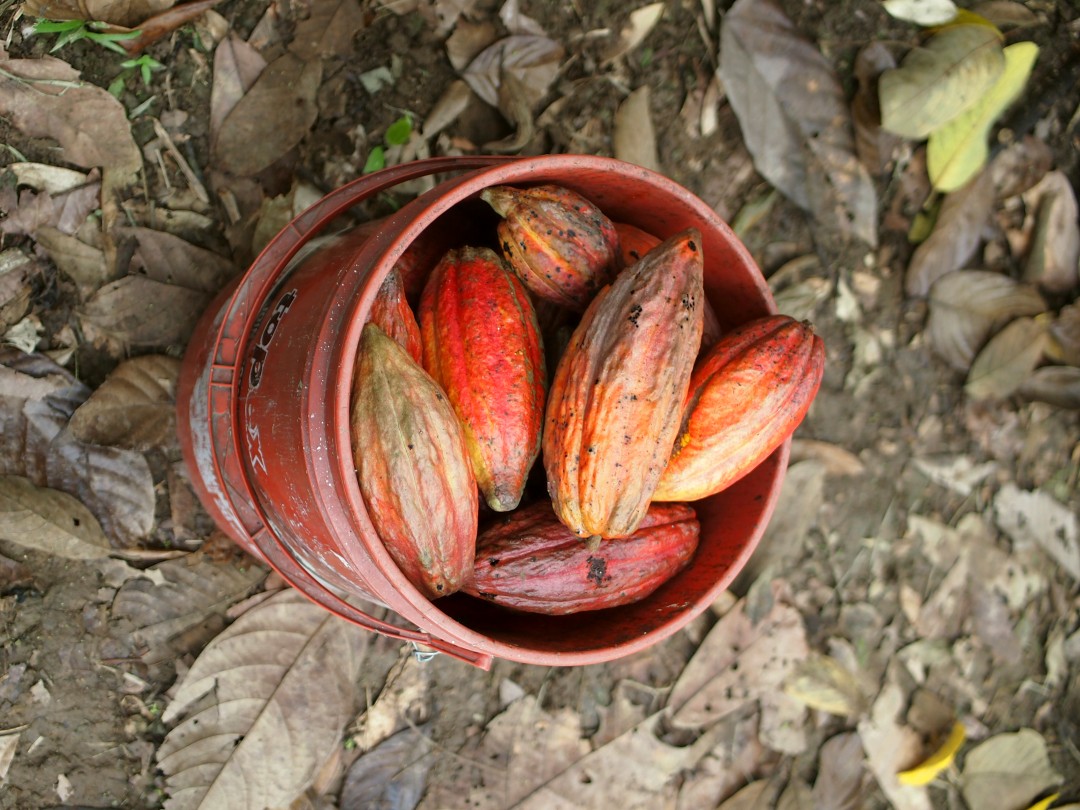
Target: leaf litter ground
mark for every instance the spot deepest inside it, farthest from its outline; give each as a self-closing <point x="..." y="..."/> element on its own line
<point x="921" y="568"/>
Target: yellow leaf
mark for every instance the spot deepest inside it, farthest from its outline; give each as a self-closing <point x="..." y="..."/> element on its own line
<point x="924" y="773"/>
<point x="958" y="150"/>
<point x="1044" y="804"/>
<point x="938" y="81"/>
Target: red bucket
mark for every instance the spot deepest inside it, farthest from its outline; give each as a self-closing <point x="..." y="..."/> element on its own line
<point x="264" y="399"/>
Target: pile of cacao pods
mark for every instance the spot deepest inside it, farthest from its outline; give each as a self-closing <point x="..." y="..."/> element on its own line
<point x="649" y="406"/>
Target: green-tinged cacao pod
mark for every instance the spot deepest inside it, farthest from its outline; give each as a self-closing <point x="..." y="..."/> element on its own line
<point x="617" y="394"/>
<point x="391" y="313"/>
<point x="532" y="562"/>
<point x="635" y="243"/>
<point x="747" y="394"/>
<point x="412" y="466"/>
<point x="561" y="245"/>
<point x="483" y="346"/>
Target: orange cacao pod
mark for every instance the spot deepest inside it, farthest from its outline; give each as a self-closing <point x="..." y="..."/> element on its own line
<point x="390" y="312"/>
<point x="412" y="466"/>
<point x="635" y="243"/>
<point x="483" y="346"/>
<point x="617" y="395"/>
<point x="561" y="245"/>
<point x="747" y="394"/>
<point x="531" y="562"/>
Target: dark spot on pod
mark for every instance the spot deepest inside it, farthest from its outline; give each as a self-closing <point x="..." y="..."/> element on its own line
<point x="691" y="245"/>
<point x="493" y="561"/>
<point x="597" y="569"/>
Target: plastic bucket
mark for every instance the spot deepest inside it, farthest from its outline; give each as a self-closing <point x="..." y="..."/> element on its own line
<point x="264" y="398"/>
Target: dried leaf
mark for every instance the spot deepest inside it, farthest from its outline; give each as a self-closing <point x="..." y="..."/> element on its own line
<point x="1020" y="165"/>
<point x="1007" y="360"/>
<point x="872" y="143"/>
<point x="407" y="684"/>
<point x="822" y="683"/>
<point x="392" y="776"/>
<point x="284" y="671"/>
<point x="284" y="93"/>
<point x="16" y="270"/>
<point x="189" y="592"/>
<point x="127" y="13"/>
<point x="958" y="150"/>
<point x="169" y="259"/>
<point x="967" y="306"/>
<point x="957" y="234"/>
<point x="468" y="40"/>
<point x="922" y="12"/>
<point x="9" y="744"/>
<point x="642" y="20"/>
<point x="48" y="520"/>
<point x="890" y="747"/>
<point x="839" y="783"/>
<point x="134" y="408"/>
<point x="958" y="473"/>
<point x="740" y="662"/>
<point x="1064" y="344"/>
<point x="1008" y="771"/>
<point x="236" y="67"/>
<point x="927" y="771"/>
<point x="755" y="796"/>
<point x="737" y="756"/>
<point x="796" y="796"/>
<point x="1054" y="256"/>
<point x="517" y="22"/>
<point x="37" y="397"/>
<point x="1005" y="13"/>
<point x="533" y="60"/>
<point x="51" y="179"/>
<point x="1057" y="385"/>
<point x="138" y="312"/>
<point x="328" y="30"/>
<point x="795" y="118"/>
<point x="1038" y="519"/>
<point x="835" y="459"/>
<point x="84" y="263"/>
<point x="44" y="97"/>
<point x="633" y="137"/>
<point x="446" y="110"/>
<point x="938" y="81"/>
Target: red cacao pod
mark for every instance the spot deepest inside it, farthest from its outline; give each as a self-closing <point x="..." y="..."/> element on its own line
<point x="747" y="394"/>
<point x="483" y="346"/>
<point x="391" y="313"/>
<point x="635" y="243"/>
<point x="617" y="394"/>
<point x="531" y="562"/>
<point x="561" y="245"/>
<point x="412" y="466"/>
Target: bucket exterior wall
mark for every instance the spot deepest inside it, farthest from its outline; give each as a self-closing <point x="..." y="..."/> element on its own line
<point x="266" y="430"/>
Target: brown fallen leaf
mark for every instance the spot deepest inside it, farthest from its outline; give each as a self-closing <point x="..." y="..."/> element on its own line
<point x="128" y="13"/>
<point x="1053" y="261"/>
<point x="837" y="460"/>
<point x="1008" y="771"/>
<point x="134" y="408"/>
<point x="283" y="670"/>
<point x="407" y="689"/>
<point x="755" y="796"/>
<point x="83" y="263"/>
<point x="48" y="520"/>
<point x="37" y="397"/>
<point x="392" y="776"/>
<point x="873" y="144"/>
<point x="16" y="271"/>
<point x="633" y="137"/>
<point x="1020" y="165"/>
<point x="137" y="312"/>
<point x="737" y="757"/>
<point x="740" y="662"/>
<point x="1056" y="385"/>
<point x="822" y="683"/>
<point x="957" y="234"/>
<point x="638" y="26"/>
<point x="1038" y="519"/>
<point x="967" y="306"/>
<point x="236" y="67"/>
<point x="534" y="60"/>
<point x="839" y="784"/>
<point x="329" y="29"/>
<point x="795" y="118"/>
<point x="163" y="257"/>
<point x="1007" y="359"/>
<point x="891" y="747"/>
<point x="285" y="93"/>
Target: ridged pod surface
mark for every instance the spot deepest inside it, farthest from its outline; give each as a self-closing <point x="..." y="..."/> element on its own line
<point x="532" y="562"/>
<point x="748" y="394"/>
<point x="483" y="346"/>
<point x="561" y="245"/>
<point x="412" y="466"/>
<point x="391" y="313"/>
<point x="635" y="243"/>
<point x="617" y="395"/>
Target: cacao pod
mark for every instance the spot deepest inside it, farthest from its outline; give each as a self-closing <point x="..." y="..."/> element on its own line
<point x="635" y="243"/>
<point x="531" y="562"/>
<point x="561" y="245"/>
<point x="747" y="394"/>
<point x="391" y="313"/>
<point x="617" y="395"/>
<point x="483" y="346"/>
<point x="412" y="466"/>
